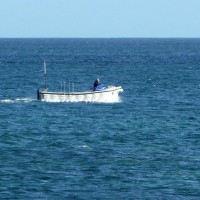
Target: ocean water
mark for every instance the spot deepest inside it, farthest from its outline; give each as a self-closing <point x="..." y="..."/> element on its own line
<point x="147" y="146"/>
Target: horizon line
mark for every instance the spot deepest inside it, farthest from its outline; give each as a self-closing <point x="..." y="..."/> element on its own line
<point x="99" y="37"/>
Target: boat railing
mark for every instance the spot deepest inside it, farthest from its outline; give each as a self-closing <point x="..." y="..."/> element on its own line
<point x="70" y="87"/>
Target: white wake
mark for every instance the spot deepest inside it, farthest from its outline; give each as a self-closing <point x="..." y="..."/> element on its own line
<point x="26" y="100"/>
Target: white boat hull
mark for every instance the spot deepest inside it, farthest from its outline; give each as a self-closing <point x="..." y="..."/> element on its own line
<point x="110" y="94"/>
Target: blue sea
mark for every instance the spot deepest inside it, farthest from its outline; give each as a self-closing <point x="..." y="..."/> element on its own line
<point x="147" y="146"/>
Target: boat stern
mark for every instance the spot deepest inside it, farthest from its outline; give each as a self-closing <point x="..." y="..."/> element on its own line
<point x="38" y="95"/>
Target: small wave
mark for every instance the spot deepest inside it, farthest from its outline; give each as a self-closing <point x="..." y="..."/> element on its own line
<point x="85" y="147"/>
<point x="16" y="100"/>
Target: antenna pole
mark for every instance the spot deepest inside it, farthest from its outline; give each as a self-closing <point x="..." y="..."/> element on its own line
<point x="45" y="78"/>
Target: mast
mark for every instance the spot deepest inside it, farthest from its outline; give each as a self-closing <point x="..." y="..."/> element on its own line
<point x="45" y="78"/>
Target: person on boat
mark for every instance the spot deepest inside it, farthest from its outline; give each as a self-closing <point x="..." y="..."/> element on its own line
<point x="96" y="83"/>
<point x="98" y="86"/>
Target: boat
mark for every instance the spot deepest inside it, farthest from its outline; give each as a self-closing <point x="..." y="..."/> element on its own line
<point x="98" y="93"/>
